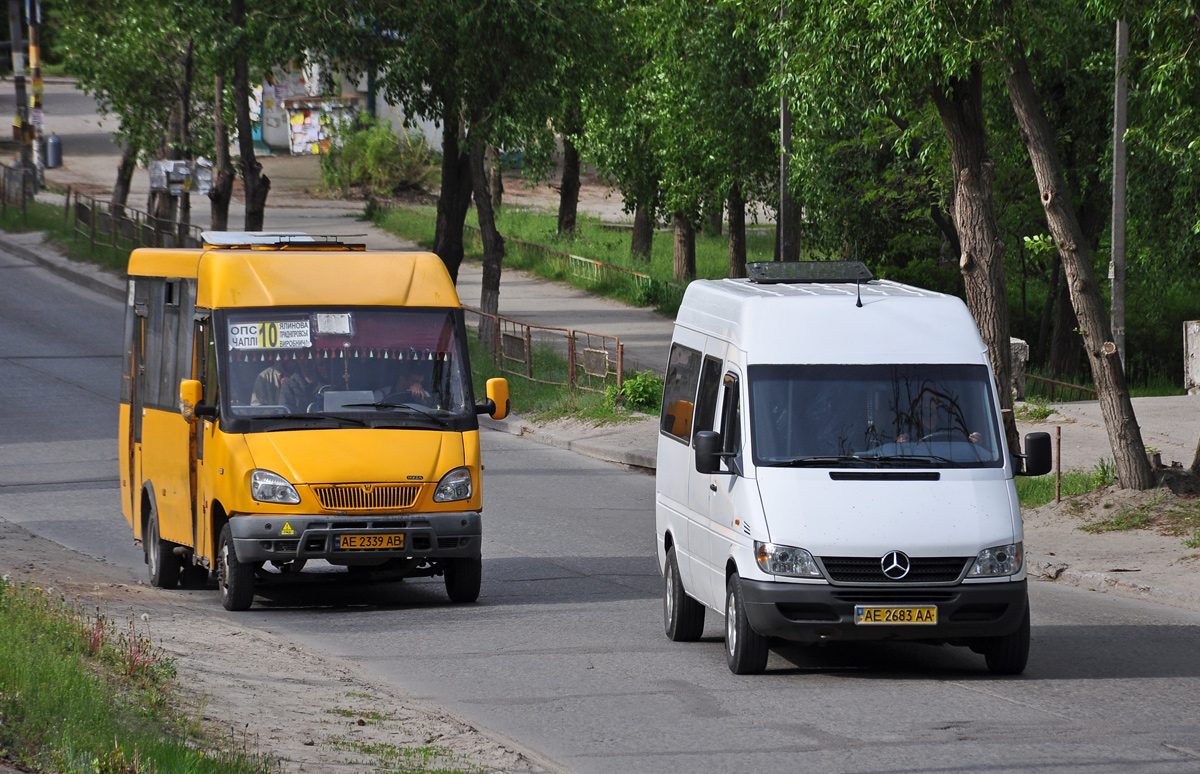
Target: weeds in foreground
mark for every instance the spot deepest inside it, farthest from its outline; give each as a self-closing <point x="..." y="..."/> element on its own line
<point x="1036" y="409"/>
<point x="383" y="757"/>
<point x="1037" y="491"/>
<point x="80" y="695"/>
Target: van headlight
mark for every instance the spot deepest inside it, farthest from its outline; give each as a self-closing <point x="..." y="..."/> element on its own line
<point x="268" y="487"/>
<point x="785" y="560"/>
<point x="1000" y="560"/>
<point x="455" y="485"/>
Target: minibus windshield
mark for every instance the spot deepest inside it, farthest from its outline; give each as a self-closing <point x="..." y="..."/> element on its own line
<point x="292" y="368"/>
<point x="923" y="415"/>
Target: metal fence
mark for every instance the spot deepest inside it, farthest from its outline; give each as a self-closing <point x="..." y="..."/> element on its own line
<point x="1058" y="392"/>
<point x="110" y="225"/>
<point x="565" y="356"/>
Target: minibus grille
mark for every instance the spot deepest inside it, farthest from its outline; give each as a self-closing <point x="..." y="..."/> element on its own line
<point x="867" y="569"/>
<point x="367" y="497"/>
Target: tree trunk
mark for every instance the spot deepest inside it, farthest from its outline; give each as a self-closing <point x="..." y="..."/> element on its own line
<point x="643" y="234"/>
<point x="493" y="243"/>
<point x="568" y="201"/>
<point x="223" y="174"/>
<point x="737" y="232"/>
<point x="1129" y="452"/>
<point x="1042" y="346"/>
<point x="981" y="261"/>
<point x="125" y="169"/>
<point x="454" y="199"/>
<point x="685" y="249"/>
<point x="256" y="184"/>
<point x="496" y="169"/>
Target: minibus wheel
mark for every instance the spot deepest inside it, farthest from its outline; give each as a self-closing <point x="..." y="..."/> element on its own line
<point x="463" y="579"/>
<point x="1008" y="655"/>
<point x="234" y="579"/>
<point x="746" y="650"/>
<point x="683" y="617"/>
<point x="165" y="566"/>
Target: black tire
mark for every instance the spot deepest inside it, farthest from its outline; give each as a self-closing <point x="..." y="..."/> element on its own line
<point x="165" y="566"/>
<point x="195" y="576"/>
<point x="746" y="650"/>
<point x="463" y="579"/>
<point x="235" y="580"/>
<point x="1009" y="654"/>
<point x="683" y="617"/>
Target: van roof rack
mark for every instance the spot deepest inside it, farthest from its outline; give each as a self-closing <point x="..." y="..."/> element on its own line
<point x="282" y="240"/>
<point x="799" y="272"/>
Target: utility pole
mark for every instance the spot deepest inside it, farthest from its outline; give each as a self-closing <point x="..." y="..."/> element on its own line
<point x="33" y="12"/>
<point x="1117" y="266"/>
<point x="21" y="119"/>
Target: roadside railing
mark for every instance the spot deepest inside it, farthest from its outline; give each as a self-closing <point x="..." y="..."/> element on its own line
<point x="563" y="356"/>
<point x="109" y="225"/>
<point x="1059" y="392"/>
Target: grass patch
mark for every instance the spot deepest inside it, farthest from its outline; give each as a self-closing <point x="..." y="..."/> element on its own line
<point x="1123" y="521"/>
<point x="50" y="219"/>
<point x="428" y="759"/>
<point x="1036" y="491"/>
<point x="1037" y="409"/>
<point x="80" y="694"/>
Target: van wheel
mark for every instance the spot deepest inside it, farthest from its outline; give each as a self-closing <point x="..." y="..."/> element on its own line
<point x="1008" y="655"/>
<point x="463" y="579"/>
<point x="235" y="580"/>
<point x="165" y="566"/>
<point x="683" y="617"/>
<point x="746" y="650"/>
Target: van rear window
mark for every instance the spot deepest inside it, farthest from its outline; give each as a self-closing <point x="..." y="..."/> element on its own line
<point x="922" y="415"/>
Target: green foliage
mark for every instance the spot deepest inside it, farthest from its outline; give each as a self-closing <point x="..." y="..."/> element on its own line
<point x="368" y="154"/>
<point x="1104" y="474"/>
<point x="1036" y="409"/>
<point x="640" y="392"/>
<point x="1033" y="492"/>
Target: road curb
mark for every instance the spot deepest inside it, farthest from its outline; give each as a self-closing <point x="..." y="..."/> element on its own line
<point x="1048" y="570"/>
<point x="631" y="458"/>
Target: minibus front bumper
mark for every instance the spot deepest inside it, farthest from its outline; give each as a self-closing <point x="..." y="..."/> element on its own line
<point x="375" y="538"/>
<point x="817" y="612"/>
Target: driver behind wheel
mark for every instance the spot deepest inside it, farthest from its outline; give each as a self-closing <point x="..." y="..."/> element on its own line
<point x="934" y="416"/>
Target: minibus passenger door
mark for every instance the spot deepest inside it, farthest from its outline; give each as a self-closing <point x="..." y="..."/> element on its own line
<point x="723" y="530"/>
<point x="701" y="485"/>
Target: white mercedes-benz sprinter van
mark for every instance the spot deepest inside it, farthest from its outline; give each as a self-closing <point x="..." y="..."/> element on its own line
<point x="832" y="466"/>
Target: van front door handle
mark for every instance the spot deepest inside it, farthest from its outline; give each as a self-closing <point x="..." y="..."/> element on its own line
<point x="713" y="486"/>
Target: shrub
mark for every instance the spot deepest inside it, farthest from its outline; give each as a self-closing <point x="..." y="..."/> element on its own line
<point x="365" y="153"/>
<point x="643" y="391"/>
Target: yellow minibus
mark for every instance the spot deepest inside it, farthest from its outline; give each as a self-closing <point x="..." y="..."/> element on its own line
<point x="288" y="398"/>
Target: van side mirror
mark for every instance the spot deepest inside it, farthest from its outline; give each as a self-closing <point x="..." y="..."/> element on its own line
<point x="496" y="406"/>
<point x="708" y="452"/>
<point x="1037" y="454"/>
<point x="191" y="392"/>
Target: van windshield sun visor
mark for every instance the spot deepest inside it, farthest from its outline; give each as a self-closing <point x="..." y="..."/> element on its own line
<point x="800" y="272"/>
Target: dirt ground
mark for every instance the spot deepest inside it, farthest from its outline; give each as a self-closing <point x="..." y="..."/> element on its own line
<point x="252" y="690"/>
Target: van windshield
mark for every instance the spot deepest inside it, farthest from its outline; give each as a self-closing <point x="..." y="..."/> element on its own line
<point x="873" y="416"/>
<point x="288" y="368"/>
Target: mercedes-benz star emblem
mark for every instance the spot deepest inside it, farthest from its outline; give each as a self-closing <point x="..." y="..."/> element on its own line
<point x="895" y="564"/>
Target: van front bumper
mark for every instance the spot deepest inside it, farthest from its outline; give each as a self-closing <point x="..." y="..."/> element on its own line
<point x="426" y="535"/>
<point x="812" y="613"/>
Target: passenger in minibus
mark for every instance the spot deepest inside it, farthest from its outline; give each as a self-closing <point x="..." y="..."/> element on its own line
<point x="301" y="390"/>
<point x="269" y="383"/>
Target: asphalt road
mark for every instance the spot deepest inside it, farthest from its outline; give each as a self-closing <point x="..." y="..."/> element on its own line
<point x="565" y="652"/>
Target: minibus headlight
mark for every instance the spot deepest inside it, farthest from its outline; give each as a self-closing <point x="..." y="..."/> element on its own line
<point x="455" y="485"/>
<point x="268" y="487"/>
<point x="999" y="560"/>
<point x="785" y="560"/>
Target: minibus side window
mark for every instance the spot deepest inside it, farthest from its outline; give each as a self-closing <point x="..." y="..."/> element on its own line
<point x="679" y="392"/>
<point x="154" y="343"/>
<point x="706" y="398"/>
<point x="731" y="417"/>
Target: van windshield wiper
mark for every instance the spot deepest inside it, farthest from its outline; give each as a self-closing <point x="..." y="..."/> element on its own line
<point x="818" y="462"/>
<point x="307" y="417"/>
<point x="918" y="460"/>
<point x="414" y="408"/>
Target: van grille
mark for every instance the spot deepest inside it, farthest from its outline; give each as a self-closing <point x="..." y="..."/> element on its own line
<point x="367" y="497"/>
<point x="867" y="569"/>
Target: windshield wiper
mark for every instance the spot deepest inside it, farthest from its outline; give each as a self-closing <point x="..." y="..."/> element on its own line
<point x="816" y="462"/>
<point x="920" y="460"/>
<point x="415" y="408"/>
<point x="307" y="417"/>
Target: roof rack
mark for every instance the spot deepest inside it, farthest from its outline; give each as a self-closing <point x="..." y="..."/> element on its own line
<point x="281" y="240"/>
<point x="799" y="272"/>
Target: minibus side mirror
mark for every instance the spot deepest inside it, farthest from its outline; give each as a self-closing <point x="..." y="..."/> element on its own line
<point x="1037" y="454"/>
<point x="496" y="406"/>
<point x="191" y="392"/>
<point x="709" y="454"/>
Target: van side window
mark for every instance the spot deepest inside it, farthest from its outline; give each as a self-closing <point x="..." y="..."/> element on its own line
<point x="679" y="392"/>
<point x="706" y="399"/>
<point x="731" y="417"/>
